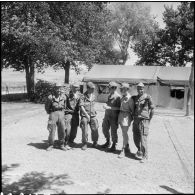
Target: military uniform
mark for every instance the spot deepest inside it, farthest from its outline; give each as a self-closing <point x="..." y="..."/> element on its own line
<point x="125" y="118"/>
<point x="89" y="106"/>
<point x="55" y="108"/>
<point x="141" y="122"/>
<point x="111" y="117"/>
<point x="72" y="116"/>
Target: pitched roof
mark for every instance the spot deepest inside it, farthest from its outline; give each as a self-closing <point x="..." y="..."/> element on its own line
<point x="174" y="75"/>
<point x="121" y="73"/>
<point x="135" y="74"/>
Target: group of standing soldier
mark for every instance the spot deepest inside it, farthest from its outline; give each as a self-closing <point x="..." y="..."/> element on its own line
<point x="120" y="109"/>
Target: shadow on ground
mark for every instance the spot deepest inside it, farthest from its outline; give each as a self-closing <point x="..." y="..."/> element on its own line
<point x="33" y="182"/>
<point x="107" y="191"/>
<point x="173" y="191"/>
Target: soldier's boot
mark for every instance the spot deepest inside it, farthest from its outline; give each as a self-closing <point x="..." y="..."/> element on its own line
<point x="139" y="155"/>
<point x="84" y="147"/>
<point x="127" y="149"/>
<point x="107" y="144"/>
<point x="49" y="148"/>
<point x="95" y="145"/>
<point x="66" y="145"/>
<point x="113" y="147"/>
<point x="122" y="153"/>
<point x="62" y="147"/>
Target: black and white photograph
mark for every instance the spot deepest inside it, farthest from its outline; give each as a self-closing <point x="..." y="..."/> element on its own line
<point x="97" y="97"/>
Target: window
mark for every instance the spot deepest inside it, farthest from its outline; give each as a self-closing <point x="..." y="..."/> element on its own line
<point x="103" y="89"/>
<point x="177" y="92"/>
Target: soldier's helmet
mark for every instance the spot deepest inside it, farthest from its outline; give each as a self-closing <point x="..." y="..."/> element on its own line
<point x="90" y="85"/>
<point x="112" y="84"/>
<point x="76" y="85"/>
<point x="59" y="84"/>
<point x="124" y="86"/>
<point x="141" y="85"/>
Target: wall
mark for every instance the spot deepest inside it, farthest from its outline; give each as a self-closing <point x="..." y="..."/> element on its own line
<point x="165" y="99"/>
<point x="160" y="96"/>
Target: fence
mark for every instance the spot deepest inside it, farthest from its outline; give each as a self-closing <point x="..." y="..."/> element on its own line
<point x="5" y="90"/>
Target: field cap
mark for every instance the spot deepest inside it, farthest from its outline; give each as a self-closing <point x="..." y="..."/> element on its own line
<point x="76" y="85"/>
<point x="112" y="84"/>
<point x="59" y="84"/>
<point x="124" y="85"/>
<point x="140" y="85"/>
<point x="90" y="85"/>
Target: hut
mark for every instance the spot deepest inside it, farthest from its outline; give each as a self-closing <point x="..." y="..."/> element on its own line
<point x="167" y="85"/>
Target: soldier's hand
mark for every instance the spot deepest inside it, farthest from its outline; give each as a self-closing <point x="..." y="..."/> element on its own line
<point x="88" y="118"/>
<point x="106" y="107"/>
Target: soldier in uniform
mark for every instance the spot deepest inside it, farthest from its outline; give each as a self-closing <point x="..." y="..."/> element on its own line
<point x="125" y="117"/>
<point x="144" y="110"/>
<point x="88" y="116"/>
<point x="72" y="113"/>
<point x="110" y="120"/>
<point x="55" y="106"/>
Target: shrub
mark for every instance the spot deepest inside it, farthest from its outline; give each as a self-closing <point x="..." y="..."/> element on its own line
<point x="44" y="88"/>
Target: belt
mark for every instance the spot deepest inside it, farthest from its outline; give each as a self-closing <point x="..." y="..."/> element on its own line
<point x="125" y="111"/>
<point x="57" y="109"/>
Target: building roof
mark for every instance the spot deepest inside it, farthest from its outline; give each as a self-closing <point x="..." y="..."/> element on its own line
<point x="174" y="75"/>
<point x="121" y="73"/>
<point x="136" y="74"/>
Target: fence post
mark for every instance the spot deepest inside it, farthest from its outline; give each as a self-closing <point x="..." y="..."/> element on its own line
<point x="7" y="90"/>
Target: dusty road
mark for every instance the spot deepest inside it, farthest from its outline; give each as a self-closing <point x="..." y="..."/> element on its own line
<point x="28" y="168"/>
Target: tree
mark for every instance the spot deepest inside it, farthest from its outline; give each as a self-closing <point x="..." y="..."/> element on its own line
<point x="81" y="34"/>
<point x="24" y="27"/>
<point x="130" y="20"/>
<point x="178" y="34"/>
<point x="172" y="45"/>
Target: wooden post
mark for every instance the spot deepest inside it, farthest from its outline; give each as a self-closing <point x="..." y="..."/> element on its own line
<point x="189" y="94"/>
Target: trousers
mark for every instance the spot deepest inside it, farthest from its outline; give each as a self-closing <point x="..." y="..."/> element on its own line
<point x="93" y="123"/>
<point x="56" y="119"/>
<point x="140" y="135"/>
<point x="72" y="123"/>
<point x="110" y="123"/>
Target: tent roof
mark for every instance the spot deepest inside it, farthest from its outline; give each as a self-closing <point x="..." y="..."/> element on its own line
<point x="174" y="75"/>
<point x="135" y="74"/>
<point x="121" y="73"/>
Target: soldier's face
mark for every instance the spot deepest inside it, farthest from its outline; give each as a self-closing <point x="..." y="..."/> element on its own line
<point x="59" y="91"/>
<point x="124" y="91"/>
<point x="75" y="89"/>
<point x="112" y="89"/>
<point x="90" y="90"/>
<point x="140" y="90"/>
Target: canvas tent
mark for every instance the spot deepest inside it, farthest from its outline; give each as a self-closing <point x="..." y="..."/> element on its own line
<point x="161" y="82"/>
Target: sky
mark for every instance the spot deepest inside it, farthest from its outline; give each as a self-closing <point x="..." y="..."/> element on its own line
<point x="157" y="9"/>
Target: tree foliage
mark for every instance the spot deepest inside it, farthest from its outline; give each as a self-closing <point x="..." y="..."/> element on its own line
<point x="130" y="20"/>
<point x="64" y="34"/>
<point x="24" y="27"/>
<point x="81" y="34"/>
<point x="172" y="45"/>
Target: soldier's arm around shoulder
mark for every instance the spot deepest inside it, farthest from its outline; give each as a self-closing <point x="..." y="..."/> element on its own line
<point x="48" y="104"/>
<point x="150" y="106"/>
<point x="81" y="100"/>
<point x="150" y="102"/>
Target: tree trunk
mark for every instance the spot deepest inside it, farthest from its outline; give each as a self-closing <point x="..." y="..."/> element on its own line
<point x="30" y="80"/>
<point x="67" y="71"/>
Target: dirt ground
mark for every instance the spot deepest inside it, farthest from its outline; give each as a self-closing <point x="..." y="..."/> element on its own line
<point x="29" y="168"/>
